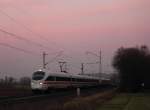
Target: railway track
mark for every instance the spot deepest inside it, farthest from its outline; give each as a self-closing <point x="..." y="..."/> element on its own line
<point x="17" y="99"/>
<point x="53" y="99"/>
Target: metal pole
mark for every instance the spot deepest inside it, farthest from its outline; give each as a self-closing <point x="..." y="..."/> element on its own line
<point x="82" y="68"/>
<point x="44" y="63"/>
<point x="100" y="60"/>
<point x="100" y="64"/>
<point x="78" y="91"/>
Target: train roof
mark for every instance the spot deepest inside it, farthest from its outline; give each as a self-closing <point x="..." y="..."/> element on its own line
<point x="62" y="74"/>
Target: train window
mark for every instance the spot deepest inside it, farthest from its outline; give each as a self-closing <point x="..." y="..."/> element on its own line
<point x="86" y="80"/>
<point x="80" y="80"/>
<point x="73" y="79"/>
<point x="67" y="79"/>
<point x="38" y="75"/>
<point x="62" y="79"/>
<point x="50" y="78"/>
<point x="83" y="80"/>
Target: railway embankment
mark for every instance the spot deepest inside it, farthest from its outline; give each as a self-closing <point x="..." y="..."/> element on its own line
<point x="7" y="92"/>
<point x="89" y="102"/>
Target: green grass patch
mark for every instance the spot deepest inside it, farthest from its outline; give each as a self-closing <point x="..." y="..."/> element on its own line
<point x="138" y="101"/>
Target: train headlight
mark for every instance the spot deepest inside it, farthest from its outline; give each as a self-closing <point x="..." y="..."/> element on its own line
<point x="41" y="83"/>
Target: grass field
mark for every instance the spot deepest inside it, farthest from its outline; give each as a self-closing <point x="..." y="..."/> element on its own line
<point x="128" y="102"/>
<point x="18" y="90"/>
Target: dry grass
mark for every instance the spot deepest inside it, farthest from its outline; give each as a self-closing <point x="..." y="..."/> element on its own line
<point x="14" y="91"/>
<point x="89" y="103"/>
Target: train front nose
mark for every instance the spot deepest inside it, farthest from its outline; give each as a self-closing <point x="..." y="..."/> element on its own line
<point x="37" y="80"/>
<point x="36" y="85"/>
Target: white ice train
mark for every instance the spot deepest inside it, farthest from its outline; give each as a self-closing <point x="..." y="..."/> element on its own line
<point x="43" y="80"/>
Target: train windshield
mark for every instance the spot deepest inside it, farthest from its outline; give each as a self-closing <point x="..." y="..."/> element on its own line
<point x="38" y="75"/>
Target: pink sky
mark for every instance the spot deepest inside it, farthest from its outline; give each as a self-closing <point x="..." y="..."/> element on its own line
<point x="75" y="26"/>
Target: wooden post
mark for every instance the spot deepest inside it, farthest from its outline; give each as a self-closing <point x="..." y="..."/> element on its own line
<point x="78" y="91"/>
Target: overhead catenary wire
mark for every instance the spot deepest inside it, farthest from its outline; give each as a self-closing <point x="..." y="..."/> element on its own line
<point x="27" y="41"/>
<point x="22" y="39"/>
<point x="28" y="29"/>
<point x="18" y="49"/>
<point x="55" y="58"/>
<point x="22" y="25"/>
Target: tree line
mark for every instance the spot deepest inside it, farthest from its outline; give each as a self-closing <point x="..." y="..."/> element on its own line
<point x="11" y="82"/>
<point x="133" y="66"/>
